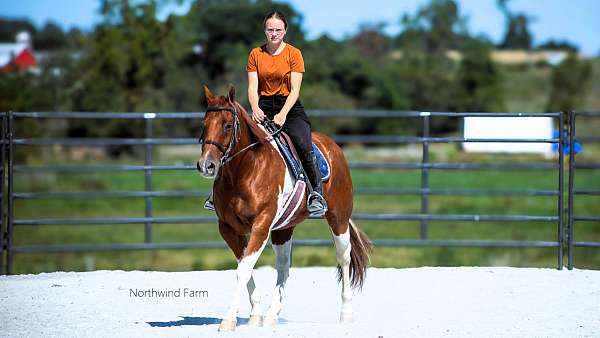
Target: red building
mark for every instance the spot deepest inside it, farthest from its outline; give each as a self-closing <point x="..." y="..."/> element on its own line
<point x="18" y="55"/>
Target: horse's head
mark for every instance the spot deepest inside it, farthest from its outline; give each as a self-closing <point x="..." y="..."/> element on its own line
<point x="220" y="133"/>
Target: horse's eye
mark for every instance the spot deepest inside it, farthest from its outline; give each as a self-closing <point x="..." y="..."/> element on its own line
<point x="227" y="127"/>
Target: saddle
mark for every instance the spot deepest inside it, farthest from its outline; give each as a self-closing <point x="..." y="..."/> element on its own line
<point x="288" y="151"/>
<point x="293" y="196"/>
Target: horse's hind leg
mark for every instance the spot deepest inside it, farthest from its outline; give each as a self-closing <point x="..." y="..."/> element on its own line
<point x="256" y="244"/>
<point x="282" y="245"/>
<point x="341" y="239"/>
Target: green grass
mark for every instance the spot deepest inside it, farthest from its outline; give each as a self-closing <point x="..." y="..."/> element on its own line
<point x="223" y="259"/>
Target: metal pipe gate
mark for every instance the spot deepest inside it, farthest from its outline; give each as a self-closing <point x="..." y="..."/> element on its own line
<point x="8" y="196"/>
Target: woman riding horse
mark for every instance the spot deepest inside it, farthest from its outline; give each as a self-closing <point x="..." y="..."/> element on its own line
<point x="251" y="183"/>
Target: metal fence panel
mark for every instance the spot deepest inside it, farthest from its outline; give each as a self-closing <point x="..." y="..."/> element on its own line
<point x="425" y="166"/>
<point x="3" y="244"/>
<point x="572" y="192"/>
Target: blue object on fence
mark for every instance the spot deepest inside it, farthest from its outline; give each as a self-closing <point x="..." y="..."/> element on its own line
<point x="566" y="146"/>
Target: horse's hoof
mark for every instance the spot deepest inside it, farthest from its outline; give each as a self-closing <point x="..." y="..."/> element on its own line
<point x="346" y="317"/>
<point x="270" y="321"/>
<point x="227" y="325"/>
<point x="255" y="320"/>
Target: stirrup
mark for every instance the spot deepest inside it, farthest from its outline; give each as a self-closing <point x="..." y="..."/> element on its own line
<point x="317" y="206"/>
<point x="209" y="205"/>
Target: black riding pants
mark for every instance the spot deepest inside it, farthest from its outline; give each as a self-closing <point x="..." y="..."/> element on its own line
<point x="297" y="127"/>
<point x="296" y="124"/>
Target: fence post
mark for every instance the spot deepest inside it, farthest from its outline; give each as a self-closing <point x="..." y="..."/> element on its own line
<point x="10" y="211"/>
<point x="425" y="174"/>
<point x="2" y="197"/>
<point x="561" y="188"/>
<point x="148" y="118"/>
<point x="571" y="196"/>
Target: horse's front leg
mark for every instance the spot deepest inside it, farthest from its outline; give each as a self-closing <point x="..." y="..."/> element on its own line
<point x="282" y="245"/>
<point x="255" y="312"/>
<point x="256" y="244"/>
<point x="238" y="244"/>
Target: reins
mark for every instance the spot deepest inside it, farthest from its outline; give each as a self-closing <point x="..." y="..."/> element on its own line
<point x="239" y="152"/>
<point x="269" y="125"/>
<point x="271" y="135"/>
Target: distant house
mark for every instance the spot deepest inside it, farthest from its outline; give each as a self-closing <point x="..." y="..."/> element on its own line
<point x="553" y="57"/>
<point x="18" y="55"/>
<point x="513" y="57"/>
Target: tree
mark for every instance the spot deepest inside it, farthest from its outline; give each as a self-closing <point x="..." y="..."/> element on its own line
<point x="127" y="59"/>
<point x="479" y="80"/>
<point x="16" y="91"/>
<point x="427" y="75"/>
<point x="338" y="66"/>
<point x="337" y="77"/>
<point x="219" y="27"/>
<point x="372" y="42"/>
<point x="22" y="91"/>
<point x="517" y="35"/>
<point x="437" y="25"/>
<point x="124" y="68"/>
<point x="9" y="28"/>
<point x="392" y="90"/>
<point x="517" y="29"/>
<point x="571" y="81"/>
<point x="563" y="45"/>
<point x="75" y="39"/>
<point x="50" y="37"/>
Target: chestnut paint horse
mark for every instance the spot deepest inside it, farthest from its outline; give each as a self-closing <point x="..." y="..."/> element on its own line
<point x="249" y="176"/>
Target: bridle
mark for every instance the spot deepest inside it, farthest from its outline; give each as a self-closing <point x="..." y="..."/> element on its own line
<point x="226" y="151"/>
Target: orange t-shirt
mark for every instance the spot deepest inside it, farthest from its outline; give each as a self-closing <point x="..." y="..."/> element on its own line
<point x="274" y="71"/>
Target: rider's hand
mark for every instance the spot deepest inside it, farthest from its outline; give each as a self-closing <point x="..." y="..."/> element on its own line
<point x="258" y="115"/>
<point x="279" y="119"/>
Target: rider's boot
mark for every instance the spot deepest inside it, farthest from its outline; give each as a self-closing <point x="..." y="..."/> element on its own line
<point x="317" y="206"/>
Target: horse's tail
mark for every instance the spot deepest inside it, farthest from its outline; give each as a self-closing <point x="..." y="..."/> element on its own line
<point x="360" y="251"/>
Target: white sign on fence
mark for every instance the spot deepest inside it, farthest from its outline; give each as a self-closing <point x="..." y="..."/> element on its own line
<point x="508" y="128"/>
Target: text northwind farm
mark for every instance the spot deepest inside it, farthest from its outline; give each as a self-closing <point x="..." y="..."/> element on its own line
<point x="168" y="293"/>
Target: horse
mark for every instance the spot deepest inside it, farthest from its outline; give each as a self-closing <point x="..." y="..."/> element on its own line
<point x="249" y="175"/>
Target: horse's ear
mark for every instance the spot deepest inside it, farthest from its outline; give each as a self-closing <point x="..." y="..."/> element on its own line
<point x="231" y="95"/>
<point x="210" y="97"/>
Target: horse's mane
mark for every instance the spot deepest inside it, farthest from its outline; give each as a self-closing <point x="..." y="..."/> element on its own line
<point x="256" y="133"/>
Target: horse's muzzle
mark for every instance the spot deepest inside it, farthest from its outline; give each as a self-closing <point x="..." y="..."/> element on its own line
<point x="207" y="168"/>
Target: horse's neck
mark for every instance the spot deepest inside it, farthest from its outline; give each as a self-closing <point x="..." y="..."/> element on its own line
<point x="235" y="169"/>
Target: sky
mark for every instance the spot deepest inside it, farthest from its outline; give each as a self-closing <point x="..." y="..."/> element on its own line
<point x="573" y="20"/>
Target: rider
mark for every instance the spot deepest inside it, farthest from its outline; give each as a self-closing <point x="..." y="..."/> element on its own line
<point x="274" y="79"/>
